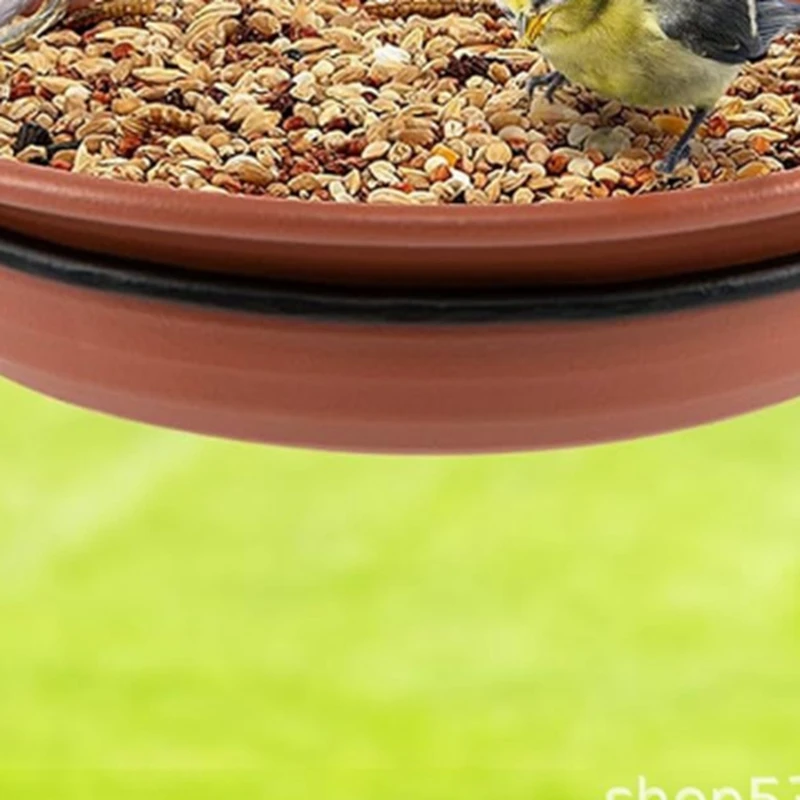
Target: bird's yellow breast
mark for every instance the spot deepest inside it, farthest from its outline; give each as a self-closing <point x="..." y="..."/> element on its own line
<point x="622" y="53"/>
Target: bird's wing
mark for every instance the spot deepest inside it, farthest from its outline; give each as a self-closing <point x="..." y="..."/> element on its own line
<point x="730" y="31"/>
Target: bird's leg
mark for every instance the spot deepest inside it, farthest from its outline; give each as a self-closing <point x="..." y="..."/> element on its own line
<point x="678" y="152"/>
<point x="552" y="80"/>
<point x="555" y="84"/>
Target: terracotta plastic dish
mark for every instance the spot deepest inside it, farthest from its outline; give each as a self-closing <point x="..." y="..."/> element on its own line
<point x="451" y="370"/>
<point x="412" y="329"/>
<point x="591" y="243"/>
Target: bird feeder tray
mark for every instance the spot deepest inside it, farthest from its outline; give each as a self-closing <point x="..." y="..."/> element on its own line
<point x="401" y="328"/>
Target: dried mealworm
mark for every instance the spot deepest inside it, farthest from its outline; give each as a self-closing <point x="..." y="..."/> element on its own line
<point x="395" y="9"/>
<point x="115" y="10"/>
<point x="159" y="116"/>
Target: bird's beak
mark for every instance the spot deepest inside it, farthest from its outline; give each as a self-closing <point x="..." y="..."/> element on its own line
<point x="530" y="28"/>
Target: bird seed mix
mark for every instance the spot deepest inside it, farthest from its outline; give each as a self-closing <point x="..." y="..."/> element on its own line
<point x="407" y="102"/>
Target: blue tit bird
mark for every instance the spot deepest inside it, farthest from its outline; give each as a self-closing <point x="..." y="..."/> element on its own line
<point x="655" y="53"/>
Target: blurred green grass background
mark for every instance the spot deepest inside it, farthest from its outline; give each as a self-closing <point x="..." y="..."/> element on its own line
<point x="186" y="618"/>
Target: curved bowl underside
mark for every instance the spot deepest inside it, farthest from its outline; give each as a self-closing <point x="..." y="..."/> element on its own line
<point x="594" y="242"/>
<point x="397" y="387"/>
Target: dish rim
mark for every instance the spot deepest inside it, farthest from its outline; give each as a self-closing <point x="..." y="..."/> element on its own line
<point x="83" y="199"/>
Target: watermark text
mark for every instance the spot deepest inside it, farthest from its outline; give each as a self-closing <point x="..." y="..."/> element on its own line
<point x="759" y="788"/>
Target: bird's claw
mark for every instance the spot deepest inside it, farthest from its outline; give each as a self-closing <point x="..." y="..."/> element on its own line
<point x="682" y="149"/>
<point x="552" y="81"/>
<point x="667" y="165"/>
